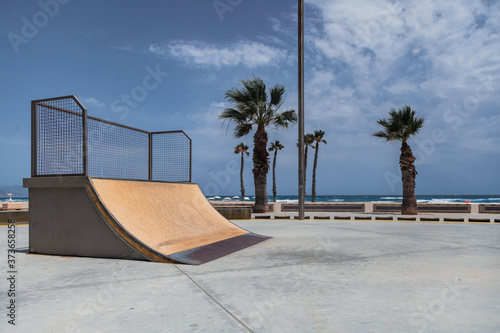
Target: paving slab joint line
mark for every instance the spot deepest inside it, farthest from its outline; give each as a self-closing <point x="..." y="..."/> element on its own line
<point x="213" y="299"/>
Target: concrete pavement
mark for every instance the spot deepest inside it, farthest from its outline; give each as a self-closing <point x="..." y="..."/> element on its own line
<point x="312" y="276"/>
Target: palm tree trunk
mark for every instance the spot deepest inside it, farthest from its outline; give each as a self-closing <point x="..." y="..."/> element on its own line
<point x="313" y="191"/>
<point x="408" y="174"/>
<point x="305" y="168"/>
<point x="274" y="175"/>
<point x="241" y="178"/>
<point x="260" y="169"/>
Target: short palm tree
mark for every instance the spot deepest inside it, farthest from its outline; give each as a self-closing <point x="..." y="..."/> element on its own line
<point x="318" y="138"/>
<point x="308" y="142"/>
<point x="242" y="149"/>
<point x="401" y="125"/>
<point x="275" y="146"/>
<point x="254" y="107"/>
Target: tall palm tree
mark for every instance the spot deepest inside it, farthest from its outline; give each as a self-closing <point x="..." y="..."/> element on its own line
<point x="275" y="146"/>
<point x="242" y="149"/>
<point x="318" y="138"/>
<point x="253" y="106"/>
<point x="401" y="125"/>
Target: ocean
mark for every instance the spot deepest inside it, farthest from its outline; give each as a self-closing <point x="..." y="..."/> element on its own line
<point x="441" y="199"/>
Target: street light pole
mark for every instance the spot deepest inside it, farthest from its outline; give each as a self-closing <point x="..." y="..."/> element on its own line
<point x="302" y="190"/>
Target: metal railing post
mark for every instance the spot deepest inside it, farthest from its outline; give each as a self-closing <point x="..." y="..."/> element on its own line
<point x="85" y="143"/>
<point x="34" y="140"/>
<point x="190" y="159"/>
<point x="150" y="162"/>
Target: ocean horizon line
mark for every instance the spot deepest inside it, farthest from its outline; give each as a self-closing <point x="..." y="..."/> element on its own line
<point x="442" y="199"/>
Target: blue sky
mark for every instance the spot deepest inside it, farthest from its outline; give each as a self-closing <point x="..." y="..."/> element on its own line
<point x="362" y="58"/>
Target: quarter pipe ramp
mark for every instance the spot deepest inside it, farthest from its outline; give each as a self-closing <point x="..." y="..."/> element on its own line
<point x="127" y="219"/>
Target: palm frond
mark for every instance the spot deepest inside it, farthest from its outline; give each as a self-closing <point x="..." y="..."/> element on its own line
<point x="400" y="126"/>
<point x="253" y="107"/>
<point x="276" y="145"/>
<point x="277" y="93"/>
<point x="242" y="130"/>
<point x="241" y="148"/>
<point x="285" y="119"/>
<point x="255" y="89"/>
<point x="308" y="139"/>
<point x="384" y="135"/>
<point x="318" y="135"/>
<point x="232" y="115"/>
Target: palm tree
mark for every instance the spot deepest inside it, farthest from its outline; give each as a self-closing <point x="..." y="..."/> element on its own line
<point x="275" y="146"/>
<point x="401" y="125"/>
<point x="308" y="142"/>
<point x="242" y="149"/>
<point x="253" y="106"/>
<point x="318" y="138"/>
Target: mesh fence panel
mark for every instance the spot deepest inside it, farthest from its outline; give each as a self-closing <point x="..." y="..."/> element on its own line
<point x="117" y="152"/>
<point x="171" y="156"/>
<point x="113" y="150"/>
<point x="59" y="144"/>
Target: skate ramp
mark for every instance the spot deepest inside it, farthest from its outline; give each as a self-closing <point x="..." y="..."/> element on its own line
<point x="156" y="221"/>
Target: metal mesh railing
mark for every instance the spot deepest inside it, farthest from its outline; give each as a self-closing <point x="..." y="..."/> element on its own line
<point x="117" y="152"/>
<point x="171" y="156"/>
<point x="58" y="126"/>
<point x="65" y="141"/>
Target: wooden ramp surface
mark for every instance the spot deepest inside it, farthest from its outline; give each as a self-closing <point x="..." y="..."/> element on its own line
<point x="168" y="221"/>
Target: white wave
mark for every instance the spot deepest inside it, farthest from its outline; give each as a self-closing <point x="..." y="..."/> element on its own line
<point x="445" y="201"/>
<point x="392" y="198"/>
<point x="287" y="200"/>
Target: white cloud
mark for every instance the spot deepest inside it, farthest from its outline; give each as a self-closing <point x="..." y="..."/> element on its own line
<point x="200" y="54"/>
<point x="93" y="102"/>
<point x="219" y="104"/>
<point x="276" y="25"/>
<point x="272" y="40"/>
<point x="442" y="44"/>
<point x="428" y="53"/>
<point x="123" y="47"/>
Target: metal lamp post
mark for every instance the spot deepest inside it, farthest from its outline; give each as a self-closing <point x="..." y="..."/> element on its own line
<point x="302" y="190"/>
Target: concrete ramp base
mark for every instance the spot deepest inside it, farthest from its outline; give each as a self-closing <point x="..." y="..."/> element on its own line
<point x="125" y="219"/>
